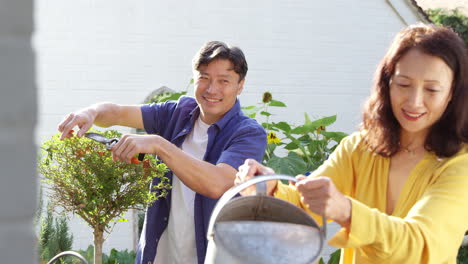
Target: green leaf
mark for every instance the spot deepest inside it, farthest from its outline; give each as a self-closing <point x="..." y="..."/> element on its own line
<point x="167" y="96"/>
<point x="250" y="111"/>
<point x="293" y="164"/>
<point x="122" y="220"/>
<point x="283" y="126"/>
<point x="268" y="126"/>
<point x="335" y="257"/>
<point x="276" y="103"/>
<point x="172" y="97"/>
<point x="265" y="113"/>
<point x="305" y="139"/>
<point x="336" y="136"/>
<point x="300" y="130"/>
<point x="307" y="119"/>
<point x="325" y="121"/>
<point x="291" y="146"/>
<point x="311" y="126"/>
<point x="271" y="148"/>
<point x="315" y="146"/>
<point x="250" y="107"/>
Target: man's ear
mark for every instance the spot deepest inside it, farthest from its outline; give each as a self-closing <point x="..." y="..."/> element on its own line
<point x="241" y="86"/>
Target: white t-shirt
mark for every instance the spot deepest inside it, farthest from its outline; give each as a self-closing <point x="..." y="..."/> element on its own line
<point x="177" y="243"/>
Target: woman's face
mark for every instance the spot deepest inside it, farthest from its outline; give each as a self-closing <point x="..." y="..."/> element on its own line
<point x="420" y="90"/>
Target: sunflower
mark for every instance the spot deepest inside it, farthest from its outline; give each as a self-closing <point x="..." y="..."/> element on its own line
<point x="272" y="138"/>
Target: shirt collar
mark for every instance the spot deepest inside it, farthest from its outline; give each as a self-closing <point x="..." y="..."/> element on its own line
<point x="235" y="109"/>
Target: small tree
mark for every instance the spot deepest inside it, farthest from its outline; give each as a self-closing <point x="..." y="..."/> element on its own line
<point x="84" y="180"/>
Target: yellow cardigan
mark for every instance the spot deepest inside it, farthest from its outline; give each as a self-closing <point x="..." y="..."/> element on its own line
<point x="429" y="219"/>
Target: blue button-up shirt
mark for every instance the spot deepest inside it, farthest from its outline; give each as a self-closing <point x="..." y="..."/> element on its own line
<point x="231" y="140"/>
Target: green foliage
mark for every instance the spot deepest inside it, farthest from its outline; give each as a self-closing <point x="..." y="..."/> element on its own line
<point x="163" y="97"/>
<point x="334" y="258"/>
<point x="141" y="221"/>
<point x="307" y="145"/>
<point x="86" y="181"/>
<point x="88" y="254"/>
<point x="451" y="18"/>
<point x="115" y="256"/>
<point x="121" y="257"/>
<point x="54" y="235"/>
<point x="166" y="96"/>
<point x="462" y="257"/>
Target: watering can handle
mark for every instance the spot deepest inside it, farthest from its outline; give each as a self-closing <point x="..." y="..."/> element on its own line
<point x="261" y="189"/>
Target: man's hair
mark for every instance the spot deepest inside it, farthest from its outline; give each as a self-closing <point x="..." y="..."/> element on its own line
<point x="214" y="50"/>
<point x="447" y="134"/>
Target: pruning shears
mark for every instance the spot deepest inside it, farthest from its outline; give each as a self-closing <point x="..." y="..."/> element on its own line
<point x="108" y="142"/>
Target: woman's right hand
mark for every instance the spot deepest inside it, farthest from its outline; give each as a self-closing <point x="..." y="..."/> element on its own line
<point x="250" y="169"/>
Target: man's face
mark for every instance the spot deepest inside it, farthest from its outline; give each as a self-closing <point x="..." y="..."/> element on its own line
<point x="216" y="88"/>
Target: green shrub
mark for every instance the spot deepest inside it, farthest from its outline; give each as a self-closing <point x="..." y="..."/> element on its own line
<point x="307" y="145"/>
<point x="451" y="18"/>
<point x="84" y="180"/>
<point x="115" y="256"/>
<point x="54" y="235"/>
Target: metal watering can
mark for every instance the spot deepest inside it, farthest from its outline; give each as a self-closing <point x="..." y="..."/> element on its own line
<point x="261" y="229"/>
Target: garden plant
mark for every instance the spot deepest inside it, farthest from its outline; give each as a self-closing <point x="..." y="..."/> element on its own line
<point x="83" y="180"/>
<point x="304" y="147"/>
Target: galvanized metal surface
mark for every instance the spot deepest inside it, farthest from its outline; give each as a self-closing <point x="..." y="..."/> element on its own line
<point x="269" y="242"/>
<point x="262" y="229"/>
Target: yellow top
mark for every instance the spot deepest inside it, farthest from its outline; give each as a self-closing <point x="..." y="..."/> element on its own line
<point x="430" y="216"/>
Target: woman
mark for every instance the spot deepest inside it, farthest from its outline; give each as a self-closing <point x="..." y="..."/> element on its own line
<point x="399" y="186"/>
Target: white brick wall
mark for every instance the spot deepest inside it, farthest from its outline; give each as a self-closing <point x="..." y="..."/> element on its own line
<point x="316" y="56"/>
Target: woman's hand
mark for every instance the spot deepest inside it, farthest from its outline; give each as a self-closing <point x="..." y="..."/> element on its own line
<point x="323" y="198"/>
<point x="248" y="170"/>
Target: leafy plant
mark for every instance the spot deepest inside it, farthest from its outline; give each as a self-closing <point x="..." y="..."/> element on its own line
<point x="307" y="145"/>
<point x="115" y="256"/>
<point x="334" y="258"/>
<point x="166" y="96"/>
<point x="84" y="180"/>
<point x="462" y="257"/>
<point x="451" y="18"/>
<point x="54" y="235"/>
<point x="169" y="96"/>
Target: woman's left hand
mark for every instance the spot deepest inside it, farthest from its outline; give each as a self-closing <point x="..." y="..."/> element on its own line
<point x="323" y="198"/>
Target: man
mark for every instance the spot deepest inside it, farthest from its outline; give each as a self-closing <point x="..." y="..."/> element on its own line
<point x="202" y="140"/>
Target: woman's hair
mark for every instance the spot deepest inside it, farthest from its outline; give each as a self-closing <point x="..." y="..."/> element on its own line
<point x="448" y="133"/>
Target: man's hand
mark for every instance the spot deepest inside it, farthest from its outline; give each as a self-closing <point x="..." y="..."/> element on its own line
<point x="323" y="198"/>
<point x="248" y="170"/>
<point x="129" y="145"/>
<point x="84" y="119"/>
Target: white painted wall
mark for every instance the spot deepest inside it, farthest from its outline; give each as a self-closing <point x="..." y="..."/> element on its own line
<point x="316" y="56"/>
